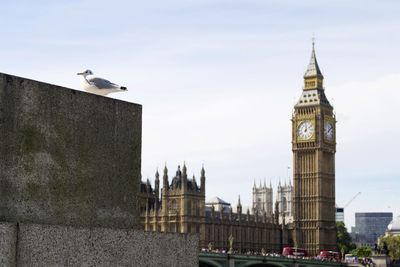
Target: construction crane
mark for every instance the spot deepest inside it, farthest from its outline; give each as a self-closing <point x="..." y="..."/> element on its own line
<point x="351" y="200"/>
<point x="340" y="210"/>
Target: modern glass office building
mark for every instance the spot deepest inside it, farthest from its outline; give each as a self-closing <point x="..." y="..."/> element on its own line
<point x="369" y="226"/>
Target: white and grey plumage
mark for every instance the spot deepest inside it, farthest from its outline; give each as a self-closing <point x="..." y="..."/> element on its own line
<point x="97" y="85"/>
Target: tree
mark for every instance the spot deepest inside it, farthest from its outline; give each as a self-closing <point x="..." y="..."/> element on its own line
<point x="344" y="240"/>
<point x="362" y="252"/>
<point x="393" y="246"/>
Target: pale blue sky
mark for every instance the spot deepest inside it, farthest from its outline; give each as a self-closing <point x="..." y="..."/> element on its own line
<point x="218" y="80"/>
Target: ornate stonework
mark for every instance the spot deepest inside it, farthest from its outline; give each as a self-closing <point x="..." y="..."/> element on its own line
<point x="182" y="208"/>
<point x="262" y="199"/>
<point x="284" y="200"/>
<point x="314" y="147"/>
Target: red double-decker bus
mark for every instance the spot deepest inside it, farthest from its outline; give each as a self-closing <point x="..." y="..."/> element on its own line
<point x="329" y="255"/>
<point x="294" y="252"/>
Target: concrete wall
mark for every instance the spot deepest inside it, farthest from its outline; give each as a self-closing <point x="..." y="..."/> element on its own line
<point x="67" y="157"/>
<point x="49" y="245"/>
<point x="8" y="244"/>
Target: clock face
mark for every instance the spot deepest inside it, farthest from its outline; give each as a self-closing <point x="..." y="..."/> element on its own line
<point x="305" y="130"/>
<point x="328" y="130"/>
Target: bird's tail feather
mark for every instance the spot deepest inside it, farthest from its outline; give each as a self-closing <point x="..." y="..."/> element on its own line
<point x="123" y="88"/>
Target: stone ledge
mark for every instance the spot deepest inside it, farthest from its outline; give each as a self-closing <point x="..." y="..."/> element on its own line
<point x="8" y="243"/>
<point x="68" y="157"/>
<point x="51" y="245"/>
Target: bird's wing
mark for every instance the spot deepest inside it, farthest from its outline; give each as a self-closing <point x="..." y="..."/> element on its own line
<point x="100" y="82"/>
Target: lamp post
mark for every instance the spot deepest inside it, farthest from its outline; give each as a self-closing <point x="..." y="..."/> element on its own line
<point x="342" y="250"/>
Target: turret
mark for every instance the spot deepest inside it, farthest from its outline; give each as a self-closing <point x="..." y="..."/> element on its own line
<point x="165" y="179"/>
<point x="194" y="181"/>
<point x="239" y="207"/>
<point x="148" y="186"/>
<point x="164" y="195"/>
<point x="203" y="180"/>
<point x="184" y="177"/>
<point x="178" y="172"/>
<point x="157" y="185"/>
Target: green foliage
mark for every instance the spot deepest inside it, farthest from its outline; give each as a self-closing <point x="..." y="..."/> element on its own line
<point x="344" y="240"/>
<point x="363" y="251"/>
<point x="393" y="245"/>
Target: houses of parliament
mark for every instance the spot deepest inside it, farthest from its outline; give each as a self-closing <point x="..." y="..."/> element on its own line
<point x="304" y="212"/>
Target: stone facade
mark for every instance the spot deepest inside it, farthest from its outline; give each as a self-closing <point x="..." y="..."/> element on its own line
<point x="314" y="148"/>
<point x="182" y="209"/>
<point x="68" y="157"/>
<point x="251" y="232"/>
<point x="284" y="200"/>
<point x="57" y="245"/>
<point x="181" y="206"/>
<point x="262" y="200"/>
<point x="8" y="244"/>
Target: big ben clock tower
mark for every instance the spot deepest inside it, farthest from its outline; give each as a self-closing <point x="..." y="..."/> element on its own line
<point x="314" y="147"/>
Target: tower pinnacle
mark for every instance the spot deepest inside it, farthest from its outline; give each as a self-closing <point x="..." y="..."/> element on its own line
<point x="239" y="206"/>
<point x="313" y="78"/>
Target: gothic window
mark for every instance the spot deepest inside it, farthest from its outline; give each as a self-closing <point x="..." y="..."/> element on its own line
<point x="189" y="207"/>
<point x="284" y="204"/>
<point x="173" y="205"/>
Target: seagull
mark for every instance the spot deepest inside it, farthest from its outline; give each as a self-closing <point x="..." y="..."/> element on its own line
<point x="97" y="85"/>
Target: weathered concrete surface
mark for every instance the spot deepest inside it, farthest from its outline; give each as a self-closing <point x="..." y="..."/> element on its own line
<point x="67" y="157"/>
<point x="8" y="242"/>
<point x="50" y="245"/>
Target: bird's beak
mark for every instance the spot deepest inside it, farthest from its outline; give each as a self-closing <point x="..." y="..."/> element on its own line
<point x="79" y="73"/>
